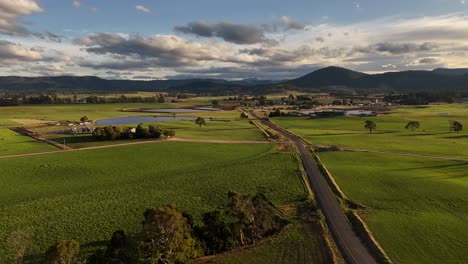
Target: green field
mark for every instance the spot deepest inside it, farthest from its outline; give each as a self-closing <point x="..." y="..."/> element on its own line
<point x="298" y="244"/>
<point x="12" y="143"/>
<point x="32" y="114"/>
<point x="418" y="208"/>
<point x="87" y="195"/>
<point x="433" y="137"/>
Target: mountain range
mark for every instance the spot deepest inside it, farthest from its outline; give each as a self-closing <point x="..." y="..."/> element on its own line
<point x="322" y="79"/>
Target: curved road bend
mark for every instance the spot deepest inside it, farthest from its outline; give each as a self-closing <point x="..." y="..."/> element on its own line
<point x="350" y="245"/>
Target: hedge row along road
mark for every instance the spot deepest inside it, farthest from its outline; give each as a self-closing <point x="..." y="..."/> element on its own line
<point x="349" y="244"/>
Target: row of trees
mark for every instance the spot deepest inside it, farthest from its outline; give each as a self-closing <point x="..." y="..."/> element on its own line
<point x="455" y="126"/>
<point x="54" y="98"/>
<point x="140" y="132"/>
<point x="170" y="236"/>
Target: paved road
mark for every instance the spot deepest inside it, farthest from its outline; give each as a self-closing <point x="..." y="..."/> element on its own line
<point x="350" y="246"/>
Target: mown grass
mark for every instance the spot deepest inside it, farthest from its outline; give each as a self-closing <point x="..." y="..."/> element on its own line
<point x="87" y="195"/>
<point x="432" y="138"/>
<point x="418" y="207"/>
<point x="12" y="143"/>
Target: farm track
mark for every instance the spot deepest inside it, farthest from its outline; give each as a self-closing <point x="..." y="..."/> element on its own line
<point x="349" y="244"/>
<point x="145" y="142"/>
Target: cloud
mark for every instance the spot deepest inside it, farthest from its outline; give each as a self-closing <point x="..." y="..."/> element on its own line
<point x="142" y="9"/>
<point x="142" y="52"/>
<point x="11" y="53"/>
<point x="93" y="9"/>
<point x="76" y="4"/>
<point x="234" y="33"/>
<point x="11" y="11"/>
<point x="287" y="23"/>
<point x="397" y="48"/>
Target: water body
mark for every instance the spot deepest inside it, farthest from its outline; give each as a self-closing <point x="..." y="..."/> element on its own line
<point x="127" y="120"/>
<point x="180" y="110"/>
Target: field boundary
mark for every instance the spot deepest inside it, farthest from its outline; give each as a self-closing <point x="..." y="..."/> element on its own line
<point x="359" y="226"/>
<point x="26" y="132"/>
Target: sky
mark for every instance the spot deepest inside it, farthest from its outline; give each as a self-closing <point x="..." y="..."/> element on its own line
<point x="264" y="39"/>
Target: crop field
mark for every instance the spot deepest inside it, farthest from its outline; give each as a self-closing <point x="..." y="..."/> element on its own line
<point x="297" y="244"/>
<point x="87" y="195"/>
<point x="417" y="208"/>
<point x="432" y="138"/>
<point x="12" y="143"/>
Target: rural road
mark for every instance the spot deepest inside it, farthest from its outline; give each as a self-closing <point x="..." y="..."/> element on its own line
<point x="349" y="244"/>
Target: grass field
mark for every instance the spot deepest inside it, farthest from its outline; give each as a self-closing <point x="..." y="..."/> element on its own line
<point x="418" y="207"/>
<point x="433" y="137"/>
<point x="297" y="244"/>
<point x="87" y="195"/>
<point x="12" y="143"/>
<point x="34" y="114"/>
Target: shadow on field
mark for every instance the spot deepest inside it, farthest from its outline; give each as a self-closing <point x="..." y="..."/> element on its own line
<point x="454" y="166"/>
<point x="419" y="134"/>
<point x="457" y="137"/>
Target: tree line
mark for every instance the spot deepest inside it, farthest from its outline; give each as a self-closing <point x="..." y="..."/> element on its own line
<point x="140" y="132"/>
<point x="170" y="236"/>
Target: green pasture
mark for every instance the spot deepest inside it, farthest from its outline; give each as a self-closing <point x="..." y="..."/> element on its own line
<point x="432" y="138"/>
<point x="417" y="208"/>
<point x="86" y="195"/>
<point x="12" y="143"/>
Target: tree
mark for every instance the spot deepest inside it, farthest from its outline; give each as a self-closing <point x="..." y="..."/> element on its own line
<point x="99" y="134"/>
<point x="141" y="132"/>
<point x="155" y="132"/>
<point x="167" y="237"/>
<point x="370" y="125"/>
<point x="64" y="252"/>
<point x="200" y="121"/>
<point x="19" y="241"/>
<point x="413" y="125"/>
<point x="215" y="233"/>
<point x="169" y="133"/>
<point x="161" y="99"/>
<point x="456" y="126"/>
<point x="84" y="119"/>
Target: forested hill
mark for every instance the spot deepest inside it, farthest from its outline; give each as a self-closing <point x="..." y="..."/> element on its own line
<point x="405" y="81"/>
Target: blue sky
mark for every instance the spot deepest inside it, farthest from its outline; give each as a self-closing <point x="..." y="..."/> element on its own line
<point x="150" y="39"/>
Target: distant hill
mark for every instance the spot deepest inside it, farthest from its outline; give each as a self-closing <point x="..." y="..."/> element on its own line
<point x="400" y="81"/>
<point x="445" y="71"/>
<point x="326" y="78"/>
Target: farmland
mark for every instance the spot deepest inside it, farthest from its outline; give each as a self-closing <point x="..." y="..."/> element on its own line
<point x="417" y="208"/>
<point x="87" y="195"/>
<point x="432" y="138"/>
<point x="12" y="143"/>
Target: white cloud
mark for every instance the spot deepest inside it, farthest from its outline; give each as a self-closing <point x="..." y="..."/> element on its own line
<point x="76" y="4"/>
<point x="142" y="9"/>
<point x="10" y="12"/>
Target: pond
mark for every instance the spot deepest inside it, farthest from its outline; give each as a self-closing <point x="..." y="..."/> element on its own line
<point x="180" y="110"/>
<point x="124" y="120"/>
